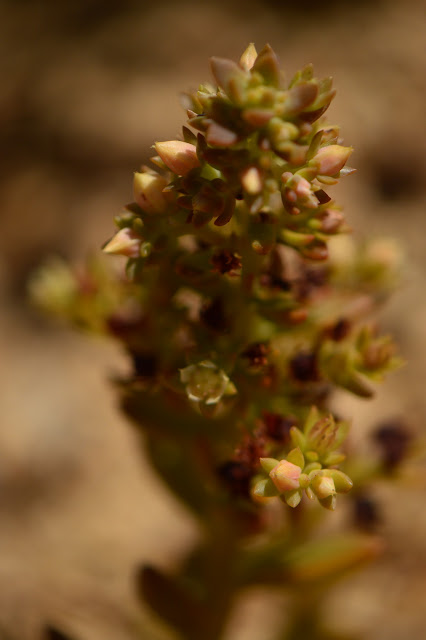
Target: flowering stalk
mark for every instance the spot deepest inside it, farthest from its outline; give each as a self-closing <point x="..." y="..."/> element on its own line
<point x="239" y="322"/>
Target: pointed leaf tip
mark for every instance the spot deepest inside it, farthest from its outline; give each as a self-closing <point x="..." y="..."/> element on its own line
<point x="268" y="66"/>
<point x="248" y="58"/>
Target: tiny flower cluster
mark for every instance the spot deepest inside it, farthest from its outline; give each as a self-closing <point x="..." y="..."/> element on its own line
<point x="239" y="317"/>
<point x="260" y="156"/>
<point x="309" y="467"/>
<point x="235" y="306"/>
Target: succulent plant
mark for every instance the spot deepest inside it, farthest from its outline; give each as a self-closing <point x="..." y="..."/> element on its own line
<point x="240" y="319"/>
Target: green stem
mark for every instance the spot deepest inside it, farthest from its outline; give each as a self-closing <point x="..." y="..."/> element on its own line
<point x="220" y="575"/>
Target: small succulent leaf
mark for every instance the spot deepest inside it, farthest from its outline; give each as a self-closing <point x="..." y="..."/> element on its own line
<point x="248" y="58"/>
<point x="297" y="239"/>
<point x="331" y="557"/>
<point x="297" y="438"/>
<point x="304" y="481"/>
<point x="333" y="458"/>
<point x="303" y="75"/>
<point x="265" y="488"/>
<point x="257" y="117"/>
<point x="329" y="502"/>
<point x="343" y="427"/>
<point x="220" y="136"/>
<point x="299" y="98"/>
<point x="309" y="493"/>
<point x="296" y="457"/>
<point x="267" y="65"/>
<point x="293" y="498"/>
<point x="268" y="464"/>
<point x="312" y="466"/>
<point x="312" y="456"/>
<point x="315" y="145"/>
<point x="342" y="482"/>
<point x="311" y="420"/>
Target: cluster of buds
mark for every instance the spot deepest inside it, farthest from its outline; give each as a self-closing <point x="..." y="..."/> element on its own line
<point x="87" y="297"/>
<point x="260" y="155"/>
<point x="240" y="317"/>
<point x="310" y="467"/>
<point x="230" y="308"/>
<point x="355" y="362"/>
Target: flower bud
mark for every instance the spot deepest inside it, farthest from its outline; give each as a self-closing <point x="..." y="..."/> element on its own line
<point x="248" y="58"/>
<point x="323" y="486"/>
<point x="180" y="157"/>
<point x="285" y="476"/>
<point x="148" y="192"/>
<point x="251" y="180"/>
<point x="125" y="243"/>
<point x="331" y="159"/>
<point x="206" y="383"/>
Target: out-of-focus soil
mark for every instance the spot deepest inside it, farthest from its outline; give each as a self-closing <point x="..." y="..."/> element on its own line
<point x="86" y="89"/>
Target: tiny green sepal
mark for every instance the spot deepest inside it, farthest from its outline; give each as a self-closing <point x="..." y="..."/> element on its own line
<point x="309" y="493"/>
<point x="329" y="502"/>
<point x="304" y="481"/>
<point x="342" y="482"/>
<point x="311" y="420"/>
<point x="296" y="457"/>
<point x="334" y="458"/>
<point x="311" y="456"/>
<point x="265" y="488"/>
<point x="268" y="464"/>
<point x="297" y="438"/>
<point x="293" y="498"/>
<point x="312" y="466"/>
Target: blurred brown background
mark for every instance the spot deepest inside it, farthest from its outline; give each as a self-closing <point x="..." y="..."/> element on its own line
<point x="86" y="88"/>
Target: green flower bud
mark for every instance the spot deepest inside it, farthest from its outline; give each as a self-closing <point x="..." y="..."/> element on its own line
<point x="323" y="485"/>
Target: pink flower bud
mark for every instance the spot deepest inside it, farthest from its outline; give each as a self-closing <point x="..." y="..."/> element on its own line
<point x="302" y="188"/>
<point x="248" y="58"/>
<point x="148" y="192"/>
<point x="180" y="157"/>
<point x="125" y="243"/>
<point x="285" y="476"/>
<point x="331" y="159"/>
